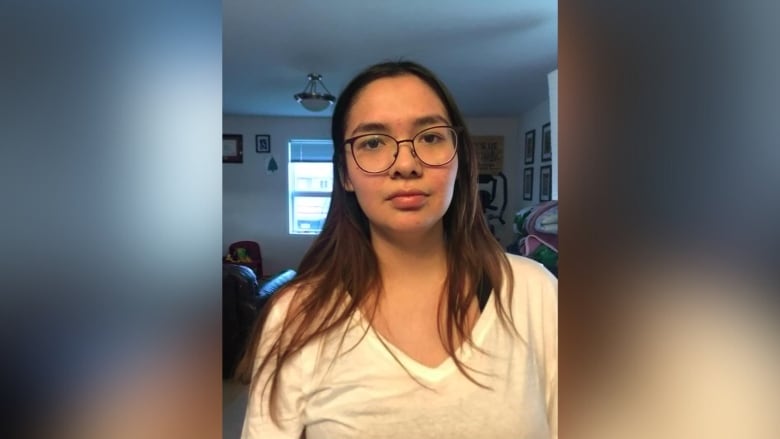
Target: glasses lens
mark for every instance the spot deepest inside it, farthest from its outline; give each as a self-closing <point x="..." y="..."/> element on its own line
<point x="374" y="152"/>
<point x="436" y="146"/>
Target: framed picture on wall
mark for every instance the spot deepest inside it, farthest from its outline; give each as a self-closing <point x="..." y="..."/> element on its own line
<point x="232" y="148"/>
<point x="546" y="142"/>
<point x="528" y="183"/>
<point x="530" y="143"/>
<point x="263" y="143"/>
<point x="545" y="183"/>
<point x="490" y="153"/>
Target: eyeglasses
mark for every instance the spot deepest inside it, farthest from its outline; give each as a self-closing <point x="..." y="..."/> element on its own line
<point x="375" y="153"/>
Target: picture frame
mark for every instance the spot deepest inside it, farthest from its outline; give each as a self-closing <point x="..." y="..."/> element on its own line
<point x="545" y="183"/>
<point x="263" y="143"/>
<point x="490" y="153"/>
<point x="530" y="144"/>
<point x="546" y="142"/>
<point x="528" y="183"/>
<point x="232" y="148"/>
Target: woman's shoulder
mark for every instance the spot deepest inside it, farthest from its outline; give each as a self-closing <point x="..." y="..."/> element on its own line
<point x="297" y="304"/>
<point x="285" y="301"/>
<point x="529" y="269"/>
<point x="532" y="282"/>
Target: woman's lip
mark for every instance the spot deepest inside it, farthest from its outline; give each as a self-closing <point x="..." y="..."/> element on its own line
<point x="405" y="194"/>
<point x="408" y="200"/>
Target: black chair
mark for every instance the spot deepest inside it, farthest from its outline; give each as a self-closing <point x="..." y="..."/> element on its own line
<point x="489" y="196"/>
<point x="241" y="305"/>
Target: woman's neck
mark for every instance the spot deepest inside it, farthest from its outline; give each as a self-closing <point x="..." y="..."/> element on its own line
<point x="408" y="261"/>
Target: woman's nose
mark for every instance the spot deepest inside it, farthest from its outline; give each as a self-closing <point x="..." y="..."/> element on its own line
<point x="406" y="162"/>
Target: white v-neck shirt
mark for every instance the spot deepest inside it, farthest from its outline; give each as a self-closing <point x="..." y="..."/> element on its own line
<point x="365" y="393"/>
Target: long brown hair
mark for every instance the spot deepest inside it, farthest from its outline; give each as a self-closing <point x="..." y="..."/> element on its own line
<point x="341" y="262"/>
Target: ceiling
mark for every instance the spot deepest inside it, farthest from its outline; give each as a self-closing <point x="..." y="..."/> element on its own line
<point x="493" y="55"/>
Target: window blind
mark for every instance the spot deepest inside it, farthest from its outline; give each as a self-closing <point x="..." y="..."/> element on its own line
<point x="311" y="151"/>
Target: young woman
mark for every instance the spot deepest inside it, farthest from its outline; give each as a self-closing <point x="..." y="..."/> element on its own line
<point x="406" y="318"/>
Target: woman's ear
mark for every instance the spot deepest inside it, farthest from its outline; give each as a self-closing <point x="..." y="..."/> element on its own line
<point x="346" y="183"/>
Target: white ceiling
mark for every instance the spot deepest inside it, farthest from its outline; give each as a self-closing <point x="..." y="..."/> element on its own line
<point x="493" y="55"/>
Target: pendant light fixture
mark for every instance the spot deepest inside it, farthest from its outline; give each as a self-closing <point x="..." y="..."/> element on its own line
<point x="311" y="98"/>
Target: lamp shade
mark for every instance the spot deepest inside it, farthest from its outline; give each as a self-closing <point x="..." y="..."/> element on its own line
<point x="314" y="102"/>
<point x="311" y="98"/>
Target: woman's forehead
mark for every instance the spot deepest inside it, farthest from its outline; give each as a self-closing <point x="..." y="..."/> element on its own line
<point x="396" y="102"/>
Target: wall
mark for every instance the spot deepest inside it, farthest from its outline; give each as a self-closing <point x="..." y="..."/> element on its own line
<point x="255" y="203"/>
<point x="552" y="87"/>
<point x="533" y="120"/>
<point x="513" y="155"/>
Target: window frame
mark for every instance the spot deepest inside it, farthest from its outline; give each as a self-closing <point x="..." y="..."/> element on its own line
<point x="293" y="176"/>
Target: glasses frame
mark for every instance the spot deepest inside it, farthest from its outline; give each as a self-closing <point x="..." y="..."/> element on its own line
<point x="398" y="143"/>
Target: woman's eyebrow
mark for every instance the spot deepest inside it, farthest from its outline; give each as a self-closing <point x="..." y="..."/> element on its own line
<point x="378" y="127"/>
<point x="433" y="119"/>
<point x="370" y="127"/>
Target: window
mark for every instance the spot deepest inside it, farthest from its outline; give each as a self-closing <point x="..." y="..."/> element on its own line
<point x="310" y="185"/>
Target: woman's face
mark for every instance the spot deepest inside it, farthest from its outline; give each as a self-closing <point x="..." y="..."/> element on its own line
<point x="410" y="197"/>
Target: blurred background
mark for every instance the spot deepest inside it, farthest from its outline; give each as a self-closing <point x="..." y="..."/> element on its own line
<point x="112" y="216"/>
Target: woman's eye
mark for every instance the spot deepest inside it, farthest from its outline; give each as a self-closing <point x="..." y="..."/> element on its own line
<point x="430" y="138"/>
<point x="371" y="143"/>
